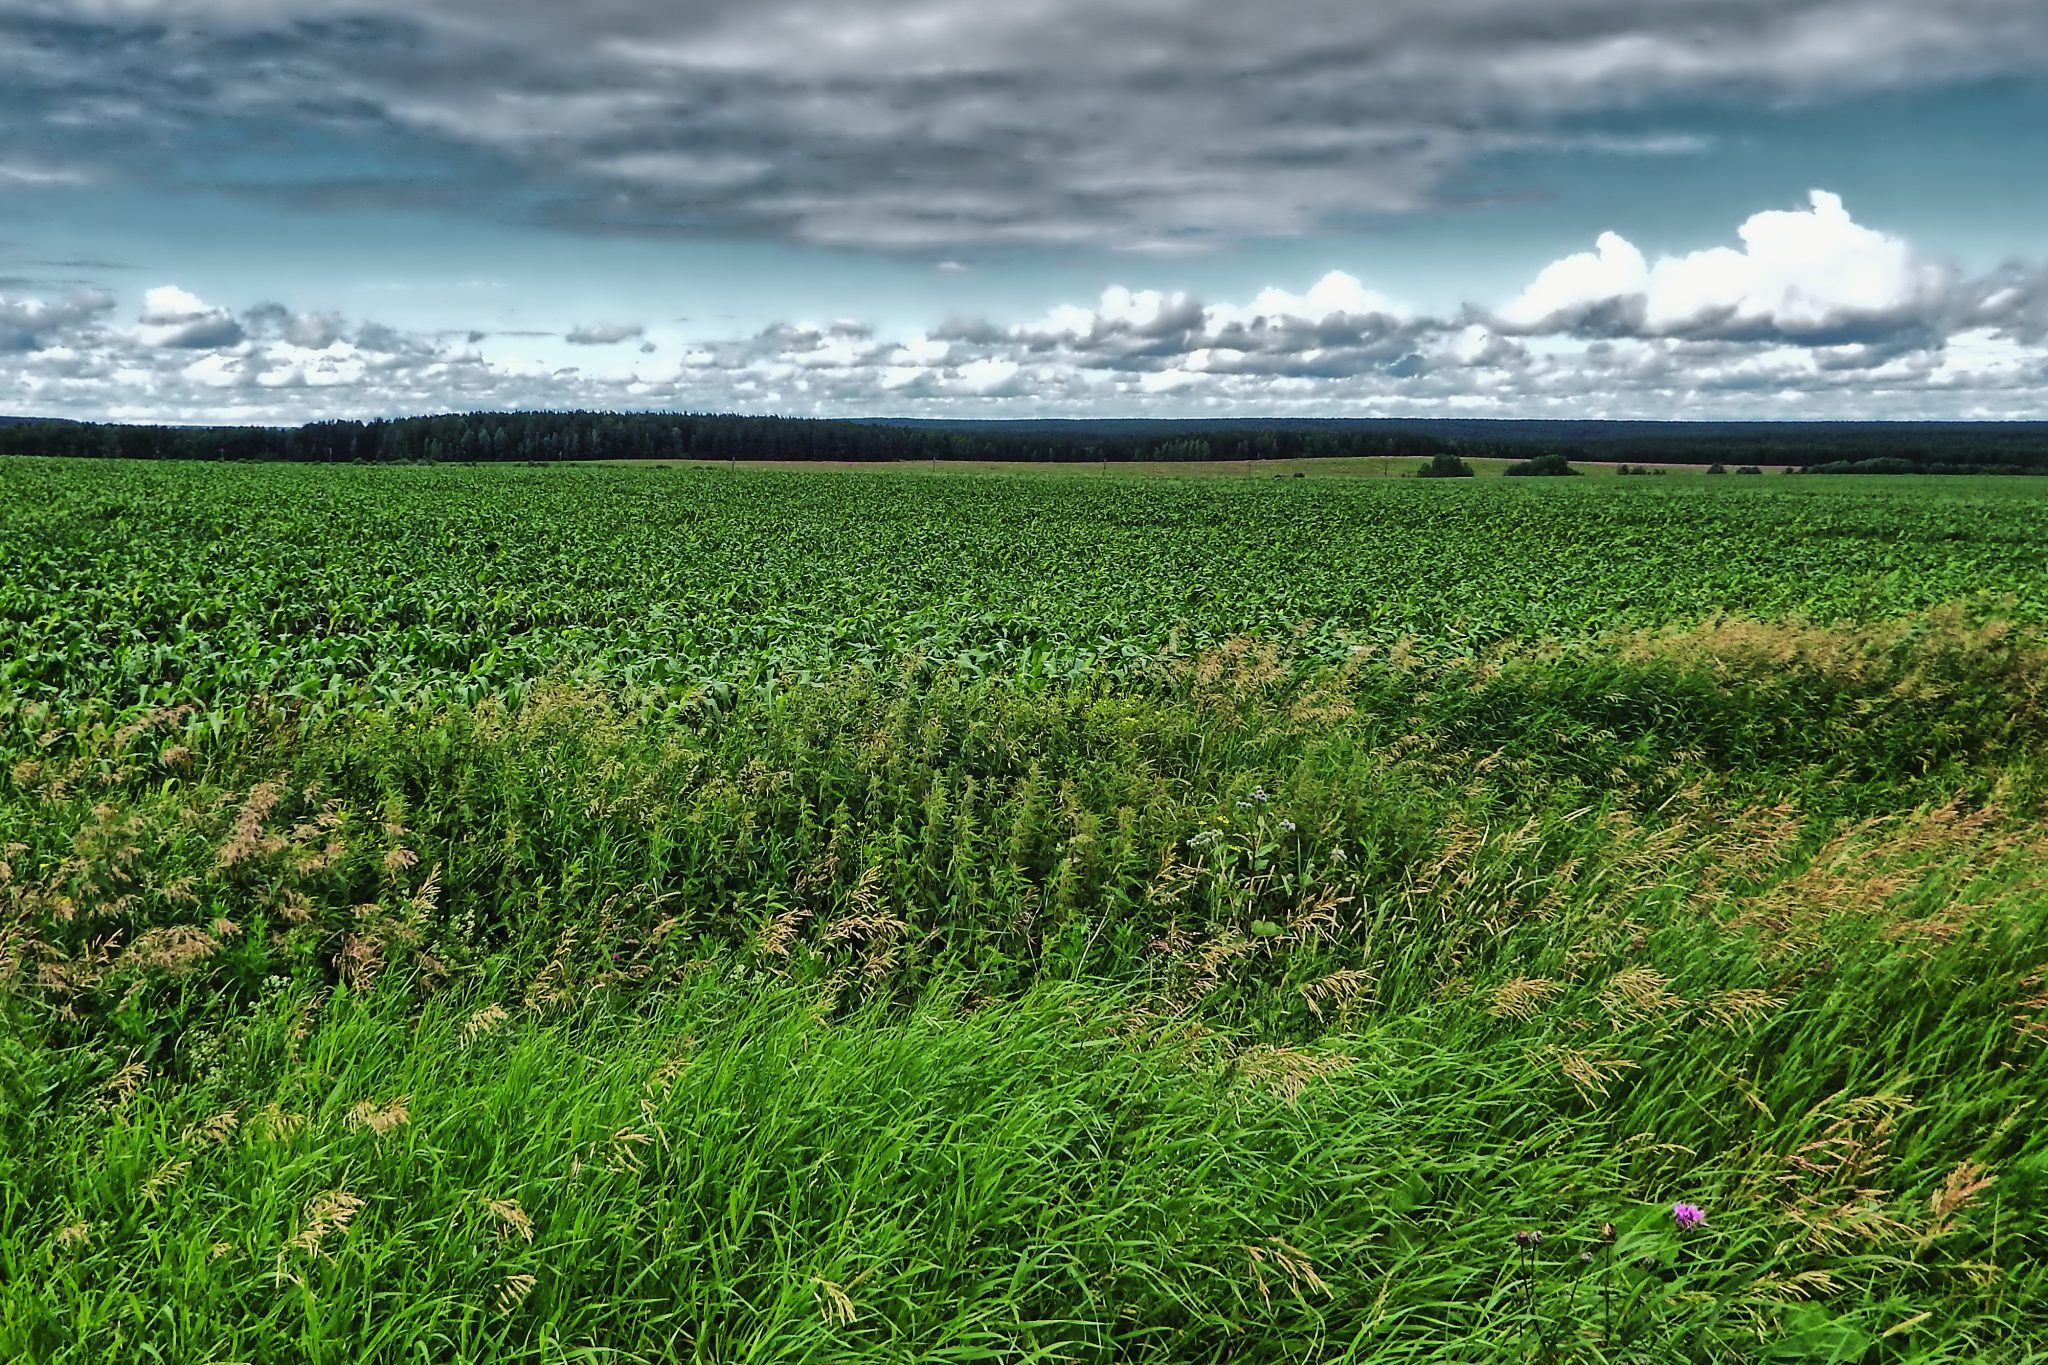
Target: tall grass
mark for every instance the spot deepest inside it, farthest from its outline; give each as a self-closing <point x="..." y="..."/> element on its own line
<point x="1234" y="1009"/>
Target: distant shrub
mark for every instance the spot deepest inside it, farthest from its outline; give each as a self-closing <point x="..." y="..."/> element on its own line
<point x="1445" y="466"/>
<point x="1889" y="464"/>
<point x="1749" y="469"/>
<point x="1542" y="467"/>
<point x="1634" y="471"/>
<point x="1717" y="468"/>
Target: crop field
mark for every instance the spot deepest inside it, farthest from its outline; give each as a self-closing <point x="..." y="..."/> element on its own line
<point x="609" y="914"/>
<point x="156" y="585"/>
<point x="1322" y="467"/>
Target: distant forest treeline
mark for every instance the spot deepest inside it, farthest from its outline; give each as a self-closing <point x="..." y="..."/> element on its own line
<point x="1963" y="448"/>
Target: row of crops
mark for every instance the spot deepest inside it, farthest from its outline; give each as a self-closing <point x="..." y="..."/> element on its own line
<point x="156" y="584"/>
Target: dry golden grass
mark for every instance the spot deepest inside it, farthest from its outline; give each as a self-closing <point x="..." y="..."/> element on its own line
<point x="627" y="1144"/>
<point x="1904" y="656"/>
<point x="1523" y="997"/>
<point x="513" y="1290"/>
<point x="1801" y="1287"/>
<point x="214" y="1131"/>
<point x="512" y="1220"/>
<point x="1927" y="875"/>
<point x="1739" y="1009"/>
<point x="1287" y="1073"/>
<point x="163" y="1180"/>
<point x="250" y="840"/>
<point x="172" y="950"/>
<point x="1591" y="1072"/>
<point x="664" y="1078"/>
<point x="1639" y="993"/>
<point x="1291" y="1262"/>
<point x="1958" y="1189"/>
<point x="326" y="1215"/>
<point x="865" y="925"/>
<point x="127" y="1081"/>
<point x="381" y="1119"/>
<point x="1343" y="993"/>
<point x="835" y="1305"/>
<point x="272" y="1123"/>
<point x="1830" y="1189"/>
<point x="484" y="1021"/>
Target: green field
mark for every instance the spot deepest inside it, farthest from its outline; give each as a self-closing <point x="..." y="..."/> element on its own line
<point x="596" y="913"/>
<point x="158" y="584"/>
<point x="1324" y="467"/>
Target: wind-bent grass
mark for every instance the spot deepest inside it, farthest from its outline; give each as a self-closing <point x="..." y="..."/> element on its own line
<point x="1238" y="1009"/>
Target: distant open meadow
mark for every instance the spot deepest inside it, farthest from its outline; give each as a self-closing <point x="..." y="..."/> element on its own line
<point x="679" y="912"/>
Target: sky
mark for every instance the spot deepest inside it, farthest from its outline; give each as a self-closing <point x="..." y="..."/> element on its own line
<point x="288" y="210"/>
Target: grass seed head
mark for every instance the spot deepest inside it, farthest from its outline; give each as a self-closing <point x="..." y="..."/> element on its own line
<point x="1957" y="1190"/>
<point x="381" y="1119"/>
<point x="512" y="1220"/>
<point x="127" y="1081"/>
<point x="213" y="1131"/>
<point x="1291" y="1262"/>
<point x="163" y="1180"/>
<point x="513" y="1291"/>
<point x="1638" y="993"/>
<point x="1740" y="1010"/>
<point x="273" y="1123"/>
<point x="487" y="1020"/>
<point x="835" y="1305"/>
<point x="326" y="1214"/>
<point x="1288" y="1072"/>
<point x="1523" y="997"/>
<point x="1590" y="1072"/>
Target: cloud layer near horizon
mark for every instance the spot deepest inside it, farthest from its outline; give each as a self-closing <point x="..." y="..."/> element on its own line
<point x="926" y="125"/>
<point x="1808" y="314"/>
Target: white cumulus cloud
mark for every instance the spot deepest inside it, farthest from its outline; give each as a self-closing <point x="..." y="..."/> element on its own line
<point x="177" y="320"/>
<point x="1812" y="275"/>
<point x="1805" y="313"/>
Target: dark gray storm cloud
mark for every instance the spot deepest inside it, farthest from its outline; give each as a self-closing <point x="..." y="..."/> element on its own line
<point x="2012" y="299"/>
<point x="314" y="331"/>
<point x="921" y="125"/>
<point x="33" y="324"/>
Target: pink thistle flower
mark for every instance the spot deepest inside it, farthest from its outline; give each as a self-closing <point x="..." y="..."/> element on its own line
<point x="1688" y="1216"/>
